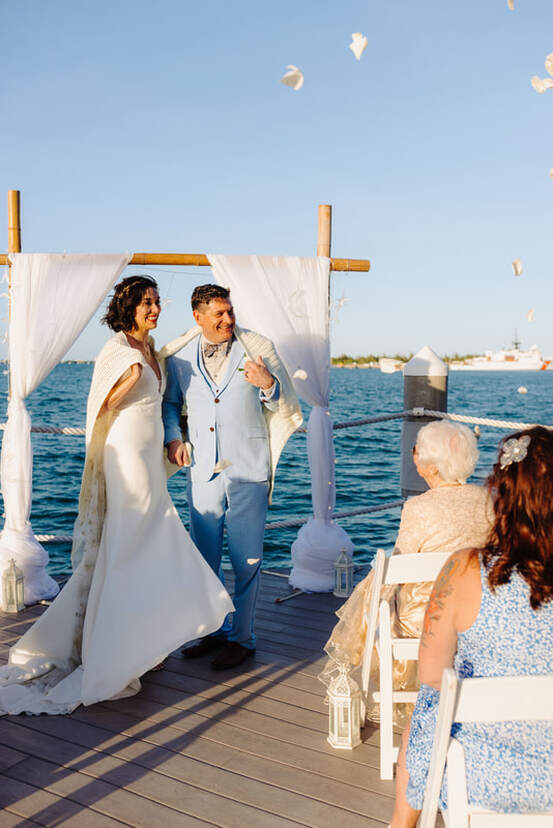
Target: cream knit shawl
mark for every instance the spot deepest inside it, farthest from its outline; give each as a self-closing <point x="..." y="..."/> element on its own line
<point x="115" y="358"/>
<point x="282" y="422"/>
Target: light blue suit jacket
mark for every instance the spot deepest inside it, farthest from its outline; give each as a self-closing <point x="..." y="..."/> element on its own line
<point x="225" y="421"/>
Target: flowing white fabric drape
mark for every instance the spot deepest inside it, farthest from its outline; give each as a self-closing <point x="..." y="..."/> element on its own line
<point x="286" y="299"/>
<point x="53" y="296"/>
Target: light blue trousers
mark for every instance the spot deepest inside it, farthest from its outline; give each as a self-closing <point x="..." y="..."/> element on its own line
<point x="242" y="507"/>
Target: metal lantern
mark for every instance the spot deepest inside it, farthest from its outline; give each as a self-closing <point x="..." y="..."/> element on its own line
<point x="343" y="567"/>
<point x="344" y="711"/>
<point x="12" y="588"/>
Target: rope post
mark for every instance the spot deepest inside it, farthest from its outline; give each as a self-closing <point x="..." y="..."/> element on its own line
<point x="424" y="386"/>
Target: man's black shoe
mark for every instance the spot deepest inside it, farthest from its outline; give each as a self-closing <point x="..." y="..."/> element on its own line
<point x="203" y="647"/>
<point x="232" y="656"/>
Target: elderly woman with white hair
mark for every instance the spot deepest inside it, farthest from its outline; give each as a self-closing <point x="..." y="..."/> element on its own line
<point x="451" y="515"/>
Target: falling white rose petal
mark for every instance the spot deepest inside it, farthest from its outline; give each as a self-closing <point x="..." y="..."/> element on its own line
<point x="293" y="77"/>
<point x="549" y="63"/>
<point x="522" y="389"/>
<point x="511" y="4"/>
<point x="541" y="85"/>
<point x="517" y="267"/>
<point x="300" y="374"/>
<point x="551" y="173"/>
<point x="358" y="44"/>
<point x="530" y="315"/>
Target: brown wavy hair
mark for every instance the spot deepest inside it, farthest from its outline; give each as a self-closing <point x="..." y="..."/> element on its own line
<point x="521" y="538"/>
<point x="127" y="295"/>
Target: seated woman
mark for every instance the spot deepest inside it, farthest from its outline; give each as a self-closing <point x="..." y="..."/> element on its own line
<point x="491" y="614"/>
<point x="451" y="515"/>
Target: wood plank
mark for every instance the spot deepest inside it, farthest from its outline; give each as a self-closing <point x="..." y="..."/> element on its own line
<point x="40" y="807"/>
<point x="255" y="684"/>
<point x="254" y="720"/>
<point x="9" y="757"/>
<point x="12" y="820"/>
<point x="192" y="744"/>
<point x="160" y="800"/>
<point x="266" y="669"/>
<point x="80" y="789"/>
<point x="163" y="727"/>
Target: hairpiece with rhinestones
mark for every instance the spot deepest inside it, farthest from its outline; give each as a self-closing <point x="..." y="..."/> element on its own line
<point x="514" y="450"/>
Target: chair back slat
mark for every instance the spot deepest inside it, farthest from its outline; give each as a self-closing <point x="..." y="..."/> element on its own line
<point x="503" y="699"/>
<point x="410" y="569"/>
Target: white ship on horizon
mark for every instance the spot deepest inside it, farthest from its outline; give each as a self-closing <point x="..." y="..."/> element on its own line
<point x="507" y="359"/>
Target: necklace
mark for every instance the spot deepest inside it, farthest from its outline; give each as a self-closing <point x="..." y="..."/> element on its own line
<point x="140" y="346"/>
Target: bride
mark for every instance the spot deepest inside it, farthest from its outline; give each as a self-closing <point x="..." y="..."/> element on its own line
<point x="139" y="588"/>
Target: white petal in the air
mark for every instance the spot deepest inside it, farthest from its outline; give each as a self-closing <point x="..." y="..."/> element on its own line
<point x="300" y="374"/>
<point x="549" y="63"/>
<point x="551" y="172"/>
<point x="358" y="44"/>
<point x="522" y="389"/>
<point x="541" y="85"/>
<point x="293" y="77"/>
<point x="530" y="315"/>
<point x="517" y="267"/>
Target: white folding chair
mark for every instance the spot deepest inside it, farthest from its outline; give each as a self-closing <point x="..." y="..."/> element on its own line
<point x="397" y="569"/>
<point x="511" y="698"/>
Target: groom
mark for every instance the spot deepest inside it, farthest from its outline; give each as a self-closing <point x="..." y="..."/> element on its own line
<point x="240" y="409"/>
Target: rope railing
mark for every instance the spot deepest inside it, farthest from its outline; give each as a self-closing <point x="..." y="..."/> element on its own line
<point x="465" y="418"/>
<point x="381" y="418"/>
<point x="276" y="524"/>
<point x="365" y="510"/>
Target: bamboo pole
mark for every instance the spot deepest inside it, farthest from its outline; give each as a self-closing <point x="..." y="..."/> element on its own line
<point x="324" y="236"/>
<point x="14" y="222"/>
<point x="14" y="246"/>
<point x="200" y="260"/>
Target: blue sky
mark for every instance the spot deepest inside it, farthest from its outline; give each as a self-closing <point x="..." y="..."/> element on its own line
<point x="163" y="127"/>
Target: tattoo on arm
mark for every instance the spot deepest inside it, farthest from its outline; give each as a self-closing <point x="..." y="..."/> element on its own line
<point x="441" y="590"/>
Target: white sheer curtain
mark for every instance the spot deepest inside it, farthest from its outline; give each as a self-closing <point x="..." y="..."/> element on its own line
<point x="286" y="299"/>
<point x="53" y="296"/>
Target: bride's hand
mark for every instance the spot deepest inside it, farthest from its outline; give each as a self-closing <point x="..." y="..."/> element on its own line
<point x="177" y="453"/>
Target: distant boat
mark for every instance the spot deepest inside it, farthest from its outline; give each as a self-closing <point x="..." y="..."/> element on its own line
<point x="388" y="365"/>
<point x="508" y="359"/>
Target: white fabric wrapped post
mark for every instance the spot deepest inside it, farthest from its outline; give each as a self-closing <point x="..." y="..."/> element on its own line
<point x="286" y="299"/>
<point x="49" y="309"/>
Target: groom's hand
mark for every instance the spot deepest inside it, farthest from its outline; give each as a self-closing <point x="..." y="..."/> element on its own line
<point x="257" y="374"/>
<point x="177" y="453"/>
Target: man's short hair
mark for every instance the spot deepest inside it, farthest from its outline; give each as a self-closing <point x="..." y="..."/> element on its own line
<point x="203" y="294"/>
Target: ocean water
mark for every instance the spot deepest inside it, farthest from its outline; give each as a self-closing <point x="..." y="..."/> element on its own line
<point x="367" y="457"/>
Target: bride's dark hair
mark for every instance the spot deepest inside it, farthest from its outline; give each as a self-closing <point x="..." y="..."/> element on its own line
<point x="521" y="538"/>
<point x="127" y="295"/>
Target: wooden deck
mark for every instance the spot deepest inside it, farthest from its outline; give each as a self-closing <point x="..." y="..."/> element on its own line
<point x="240" y="748"/>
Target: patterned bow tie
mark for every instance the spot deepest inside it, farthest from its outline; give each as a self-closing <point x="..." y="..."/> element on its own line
<point x="210" y="349"/>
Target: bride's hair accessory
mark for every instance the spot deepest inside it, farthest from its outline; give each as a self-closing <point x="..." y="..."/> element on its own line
<point x="514" y="450"/>
<point x="131" y="285"/>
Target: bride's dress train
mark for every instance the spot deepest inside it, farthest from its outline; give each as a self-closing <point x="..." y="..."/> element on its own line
<point x="139" y="592"/>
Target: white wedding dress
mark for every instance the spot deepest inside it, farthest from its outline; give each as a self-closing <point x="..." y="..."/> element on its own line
<point x="148" y="590"/>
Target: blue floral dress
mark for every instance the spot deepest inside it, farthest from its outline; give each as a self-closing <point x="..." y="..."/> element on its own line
<point x="509" y="764"/>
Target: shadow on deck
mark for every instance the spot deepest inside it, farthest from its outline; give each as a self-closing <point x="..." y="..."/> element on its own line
<point x="194" y="747"/>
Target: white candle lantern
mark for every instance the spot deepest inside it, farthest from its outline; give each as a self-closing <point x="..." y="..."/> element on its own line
<point x="12" y="588"/>
<point x="343" y="567"/>
<point x="344" y="712"/>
